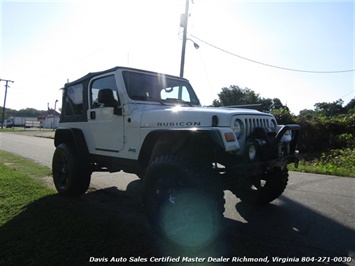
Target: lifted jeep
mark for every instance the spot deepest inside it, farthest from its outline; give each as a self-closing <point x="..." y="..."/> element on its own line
<point x="153" y="125"/>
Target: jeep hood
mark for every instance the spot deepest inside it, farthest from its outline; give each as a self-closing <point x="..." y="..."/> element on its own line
<point x="182" y="117"/>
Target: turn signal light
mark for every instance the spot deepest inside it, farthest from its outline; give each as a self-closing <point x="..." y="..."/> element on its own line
<point x="229" y="136"/>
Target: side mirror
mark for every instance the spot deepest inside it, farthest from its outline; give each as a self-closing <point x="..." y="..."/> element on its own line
<point x="117" y="110"/>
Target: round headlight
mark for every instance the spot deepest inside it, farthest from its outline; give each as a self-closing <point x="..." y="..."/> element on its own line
<point x="238" y="128"/>
<point x="252" y="152"/>
<point x="287" y="137"/>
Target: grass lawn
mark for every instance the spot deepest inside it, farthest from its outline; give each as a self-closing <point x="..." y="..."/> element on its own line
<point x="38" y="227"/>
<point x="340" y="162"/>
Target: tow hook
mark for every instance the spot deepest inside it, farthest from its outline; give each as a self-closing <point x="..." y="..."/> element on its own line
<point x="297" y="158"/>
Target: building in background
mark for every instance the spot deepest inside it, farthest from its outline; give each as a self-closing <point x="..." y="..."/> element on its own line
<point x="49" y="119"/>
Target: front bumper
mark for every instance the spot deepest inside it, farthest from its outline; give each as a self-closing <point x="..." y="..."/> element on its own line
<point x="266" y="150"/>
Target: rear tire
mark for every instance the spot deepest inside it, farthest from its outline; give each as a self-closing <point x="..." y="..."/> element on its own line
<point x="184" y="201"/>
<point x="71" y="174"/>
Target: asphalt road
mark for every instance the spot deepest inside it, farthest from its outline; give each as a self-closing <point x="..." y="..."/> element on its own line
<point x="315" y="216"/>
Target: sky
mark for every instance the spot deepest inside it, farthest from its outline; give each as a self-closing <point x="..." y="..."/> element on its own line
<point x="251" y="44"/>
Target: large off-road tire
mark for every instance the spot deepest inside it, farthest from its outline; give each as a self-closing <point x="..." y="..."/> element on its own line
<point x="260" y="192"/>
<point x="184" y="201"/>
<point x="71" y="174"/>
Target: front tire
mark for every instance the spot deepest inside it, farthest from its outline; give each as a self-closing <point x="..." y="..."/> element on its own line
<point x="184" y="201"/>
<point x="71" y="175"/>
<point x="262" y="190"/>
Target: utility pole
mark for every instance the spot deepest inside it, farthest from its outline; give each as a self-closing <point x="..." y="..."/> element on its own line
<point x="183" y="23"/>
<point x="3" y="108"/>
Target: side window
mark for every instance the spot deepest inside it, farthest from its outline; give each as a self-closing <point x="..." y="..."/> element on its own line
<point x="73" y="100"/>
<point x="104" y="92"/>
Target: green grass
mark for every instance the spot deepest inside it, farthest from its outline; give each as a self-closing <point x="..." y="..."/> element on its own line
<point x="12" y="129"/>
<point x="38" y="227"/>
<point x="22" y="129"/>
<point x="14" y="192"/>
<point x="16" y="175"/>
<point x="339" y="162"/>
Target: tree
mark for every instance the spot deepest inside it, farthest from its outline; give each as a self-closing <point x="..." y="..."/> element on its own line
<point x="283" y="115"/>
<point x="330" y="109"/>
<point x="8" y="112"/>
<point x="277" y="104"/>
<point x="350" y="107"/>
<point x="307" y="113"/>
<point x="234" y="95"/>
<point x="29" y="112"/>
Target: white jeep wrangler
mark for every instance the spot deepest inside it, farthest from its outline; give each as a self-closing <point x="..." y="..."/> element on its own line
<point x="153" y="125"/>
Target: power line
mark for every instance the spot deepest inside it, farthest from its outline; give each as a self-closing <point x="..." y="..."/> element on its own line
<point x="273" y="66"/>
<point x="347" y="94"/>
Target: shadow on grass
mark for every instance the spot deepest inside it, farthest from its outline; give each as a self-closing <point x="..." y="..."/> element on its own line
<point x="111" y="223"/>
<point x="59" y="231"/>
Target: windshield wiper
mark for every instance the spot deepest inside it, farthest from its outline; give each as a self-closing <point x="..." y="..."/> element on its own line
<point x="147" y="98"/>
<point x="179" y="101"/>
<point x="156" y="100"/>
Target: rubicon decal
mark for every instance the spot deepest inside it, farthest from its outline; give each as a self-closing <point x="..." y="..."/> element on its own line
<point x="178" y="124"/>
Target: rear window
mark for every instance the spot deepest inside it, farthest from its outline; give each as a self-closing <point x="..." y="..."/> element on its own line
<point x="73" y="99"/>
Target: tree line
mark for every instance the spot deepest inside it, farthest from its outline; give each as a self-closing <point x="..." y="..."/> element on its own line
<point x="234" y="95"/>
<point x="28" y="112"/>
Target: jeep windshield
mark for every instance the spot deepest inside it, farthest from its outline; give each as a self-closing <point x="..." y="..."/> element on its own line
<point x="159" y="88"/>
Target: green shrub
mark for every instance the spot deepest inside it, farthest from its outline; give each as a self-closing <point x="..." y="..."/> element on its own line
<point x="339" y="162"/>
<point x="322" y="134"/>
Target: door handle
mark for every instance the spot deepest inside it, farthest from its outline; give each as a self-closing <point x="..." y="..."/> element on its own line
<point x="92" y="115"/>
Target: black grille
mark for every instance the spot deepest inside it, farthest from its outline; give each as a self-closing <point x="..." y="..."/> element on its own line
<point x="252" y="123"/>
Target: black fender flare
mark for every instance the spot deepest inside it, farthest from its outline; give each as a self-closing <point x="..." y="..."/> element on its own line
<point x="150" y="140"/>
<point x="72" y="136"/>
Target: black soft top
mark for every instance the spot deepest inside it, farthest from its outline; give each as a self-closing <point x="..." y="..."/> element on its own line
<point x="90" y="75"/>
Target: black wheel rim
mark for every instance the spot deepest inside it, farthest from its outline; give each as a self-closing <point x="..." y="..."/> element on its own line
<point x="61" y="172"/>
